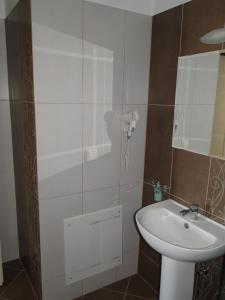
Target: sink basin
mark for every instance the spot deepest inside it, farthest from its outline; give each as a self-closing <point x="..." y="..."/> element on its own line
<point x="182" y="241"/>
<point x="178" y="237"/>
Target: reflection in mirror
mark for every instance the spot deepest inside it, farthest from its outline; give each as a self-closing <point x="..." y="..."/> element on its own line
<point x="218" y="131"/>
<point x="199" y="123"/>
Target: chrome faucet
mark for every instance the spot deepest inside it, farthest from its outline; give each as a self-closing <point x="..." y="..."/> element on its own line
<point x="193" y="210"/>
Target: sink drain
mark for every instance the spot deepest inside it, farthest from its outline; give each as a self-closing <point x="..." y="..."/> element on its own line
<point x="186" y="225"/>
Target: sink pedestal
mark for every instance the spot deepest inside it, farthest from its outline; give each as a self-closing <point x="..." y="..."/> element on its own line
<point x="177" y="279"/>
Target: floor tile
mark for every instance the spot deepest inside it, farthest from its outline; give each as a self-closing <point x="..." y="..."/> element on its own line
<point x="104" y="295"/>
<point x="20" y="289"/>
<point x="149" y="271"/>
<point x="9" y="276"/>
<point x="128" y="297"/>
<point x="138" y="287"/>
<point x="119" y="286"/>
<point x="14" y="264"/>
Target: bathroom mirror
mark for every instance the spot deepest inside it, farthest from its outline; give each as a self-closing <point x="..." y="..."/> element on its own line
<point x="199" y="118"/>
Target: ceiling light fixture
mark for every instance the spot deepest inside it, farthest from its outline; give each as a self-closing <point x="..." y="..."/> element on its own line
<point x="216" y="36"/>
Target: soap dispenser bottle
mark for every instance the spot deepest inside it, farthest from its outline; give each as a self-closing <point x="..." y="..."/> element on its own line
<point x="158" y="194"/>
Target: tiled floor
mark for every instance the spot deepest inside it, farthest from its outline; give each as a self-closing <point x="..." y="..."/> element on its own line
<point x="18" y="287"/>
<point x="133" y="288"/>
<point x="16" y="283"/>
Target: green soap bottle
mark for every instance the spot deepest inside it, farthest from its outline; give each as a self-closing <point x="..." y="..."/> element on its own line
<point x="158" y="195"/>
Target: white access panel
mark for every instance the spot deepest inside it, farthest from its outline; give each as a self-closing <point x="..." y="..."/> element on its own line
<point x="93" y="243"/>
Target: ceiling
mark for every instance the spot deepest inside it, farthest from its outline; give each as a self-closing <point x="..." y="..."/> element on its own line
<point x="147" y="7"/>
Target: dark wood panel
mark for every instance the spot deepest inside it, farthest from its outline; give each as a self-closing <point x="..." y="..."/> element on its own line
<point x="20" y="70"/>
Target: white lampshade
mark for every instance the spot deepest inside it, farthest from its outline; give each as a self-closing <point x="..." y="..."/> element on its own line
<point x="216" y="36"/>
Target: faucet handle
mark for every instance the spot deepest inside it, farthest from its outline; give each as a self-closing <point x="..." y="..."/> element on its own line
<point x="194" y="208"/>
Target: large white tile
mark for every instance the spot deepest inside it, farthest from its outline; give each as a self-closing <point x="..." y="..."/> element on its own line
<point x="102" y="146"/>
<point x="137" y="58"/>
<point x="2" y="38"/>
<point x="52" y="214"/>
<point x="4" y="88"/>
<point x="132" y="170"/>
<point x="57" y="78"/>
<point x="5" y="119"/>
<point x="98" y="281"/>
<point x="56" y="289"/>
<point x="59" y="149"/>
<point x="101" y="199"/>
<point x="103" y="53"/>
<point x="129" y="266"/>
<point x="6" y="154"/>
<point x="10" y="249"/>
<point x="131" y="199"/>
<point x="57" y="44"/>
<point x="8" y="216"/>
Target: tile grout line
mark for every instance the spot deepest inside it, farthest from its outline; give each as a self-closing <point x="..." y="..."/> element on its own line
<point x="158" y="105"/>
<point x="139" y="297"/>
<point x="82" y="124"/>
<point x="9" y="285"/>
<point x="31" y="285"/>
<point x="126" y="290"/>
<point x="186" y="202"/>
<point x="180" y="48"/>
<point x="207" y="189"/>
<point x="14" y="269"/>
<point x="44" y="102"/>
<point x="181" y="29"/>
<point x="149" y="258"/>
<point x="82" y="120"/>
<point x="122" y="105"/>
<point x="148" y="283"/>
<point x="111" y="290"/>
<point x="171" y="170"/>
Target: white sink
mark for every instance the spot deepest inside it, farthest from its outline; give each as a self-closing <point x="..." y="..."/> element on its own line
<point x="178" y="237"/>
<point x="182" y="241"/>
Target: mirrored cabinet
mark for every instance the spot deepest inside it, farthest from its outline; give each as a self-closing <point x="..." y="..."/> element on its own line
<point x="199" y="118"/>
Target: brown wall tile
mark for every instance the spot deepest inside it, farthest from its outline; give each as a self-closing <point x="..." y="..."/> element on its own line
<point x="149" y="252"/>
<point x="147" y="195"/>
<point x="158" y="146"/>
<point x="18" y="26"/>
<point x="200" y="17"/>
<point x="190" y="174"/>
<point x="149" y="271"/>
<point x="216" y="191"/>
<point x="166" y="32"/>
